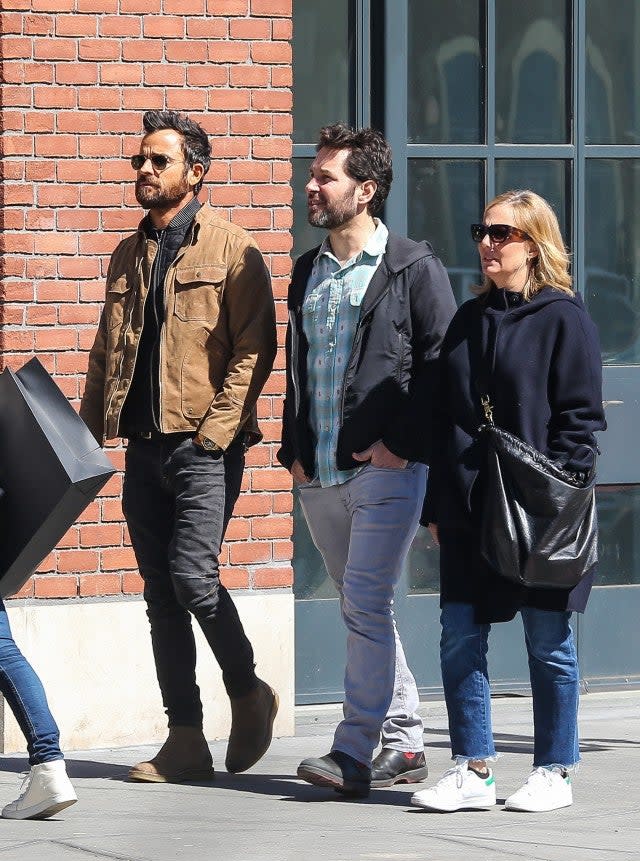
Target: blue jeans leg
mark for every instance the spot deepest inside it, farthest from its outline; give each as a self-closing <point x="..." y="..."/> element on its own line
<point x="27" y="700"/>
<point x="553" y="668"/>
<point x="463" y="658"/>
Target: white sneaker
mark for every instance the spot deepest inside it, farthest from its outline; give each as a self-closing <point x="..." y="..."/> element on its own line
<point x="545" y="789"/>
<point x="45" y="790"/>
<point x="459" y="788"/>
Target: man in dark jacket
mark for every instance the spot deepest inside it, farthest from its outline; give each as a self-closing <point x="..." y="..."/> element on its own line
<point x="367" y="313"/>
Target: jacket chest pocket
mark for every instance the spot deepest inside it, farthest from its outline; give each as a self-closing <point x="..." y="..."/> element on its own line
<point x="117" y="300"/>
<point x="197" y="292"/>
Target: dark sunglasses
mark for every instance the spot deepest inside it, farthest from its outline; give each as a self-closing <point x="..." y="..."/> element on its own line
<point x="159" y="162"/>
<point x="498" y="233"/>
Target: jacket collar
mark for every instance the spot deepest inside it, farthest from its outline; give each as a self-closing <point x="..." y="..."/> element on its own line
<point x="194" y="212"/>
<point x="400" y="254"/>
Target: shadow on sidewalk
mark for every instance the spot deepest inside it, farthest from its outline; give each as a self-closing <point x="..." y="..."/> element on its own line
<point x="512" y="743"/>
<point x="285" y="786"/>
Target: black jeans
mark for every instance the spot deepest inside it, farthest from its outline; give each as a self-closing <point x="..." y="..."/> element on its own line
<point x="177" y="500"/>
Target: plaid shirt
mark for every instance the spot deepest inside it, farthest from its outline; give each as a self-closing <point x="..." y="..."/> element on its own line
<point x="330" y="313"/>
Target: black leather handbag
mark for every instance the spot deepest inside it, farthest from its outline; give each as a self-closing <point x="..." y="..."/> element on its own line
<point x="539" y="523"/>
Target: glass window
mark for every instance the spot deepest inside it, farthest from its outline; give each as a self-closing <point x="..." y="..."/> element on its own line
<point x="612" y="72"/>
<point x="619" y="529"/>
<point x="423" y="564"/>
<point x="304" y="235"/>
<point x="549" y="178"/>
<point x="612" y="225"/>
<point x="311" y="578"/>
<point x="532" y="72"/>
<point x="444" y="198"/>
<point x="445" y="72"/>
<point x="322" y="63"/>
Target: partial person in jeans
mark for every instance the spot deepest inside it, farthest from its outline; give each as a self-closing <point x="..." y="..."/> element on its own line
<point x="46" y="789"/>
<point x="186" y="341"/>
<point x="367" y="313"/>
<point x="532" y="329"/>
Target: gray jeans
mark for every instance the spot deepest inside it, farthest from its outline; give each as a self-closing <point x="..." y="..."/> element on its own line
<point x="363" y="529"/>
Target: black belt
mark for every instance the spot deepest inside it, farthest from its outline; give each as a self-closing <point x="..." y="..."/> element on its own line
<point x="158" y="436"/>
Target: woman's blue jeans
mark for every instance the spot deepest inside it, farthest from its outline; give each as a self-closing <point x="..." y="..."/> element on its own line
<point x="553" y="670"/>
<point x="25" y="695"/>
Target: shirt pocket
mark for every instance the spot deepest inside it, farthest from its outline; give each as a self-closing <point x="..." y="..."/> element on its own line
<point x="314" y="310"/>
<point x="198" y="291"/>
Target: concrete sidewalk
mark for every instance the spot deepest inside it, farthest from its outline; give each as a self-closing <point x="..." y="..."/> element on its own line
<point x="268" y="815"/>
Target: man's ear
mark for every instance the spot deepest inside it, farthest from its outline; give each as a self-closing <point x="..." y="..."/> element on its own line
<point x="367" y="190"/>
<point x="195" y="174"/>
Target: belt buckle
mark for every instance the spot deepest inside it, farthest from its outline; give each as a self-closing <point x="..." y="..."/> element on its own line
<point x="145" y="435"/>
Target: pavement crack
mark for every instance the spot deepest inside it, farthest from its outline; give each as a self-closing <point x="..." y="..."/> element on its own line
<point x="97" y="853"/>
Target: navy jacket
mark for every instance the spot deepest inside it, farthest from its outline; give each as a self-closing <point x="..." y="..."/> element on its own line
<point x="546" y="387"/>
<point x="392" y="371"/>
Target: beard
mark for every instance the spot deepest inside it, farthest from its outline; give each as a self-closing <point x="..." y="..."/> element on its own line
<point x="334" y="214"/>
<point x="152" y="195"/>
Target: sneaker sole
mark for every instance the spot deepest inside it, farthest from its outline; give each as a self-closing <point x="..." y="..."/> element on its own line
<point x="517" y="808"/>
<point x="416" y="775"/>
<point x="232" y="768"/>
<point x="318" y="777"/>
<point x="39" y="812"/>
<point x="471" y="804"/>
<point x="181" y="777"/>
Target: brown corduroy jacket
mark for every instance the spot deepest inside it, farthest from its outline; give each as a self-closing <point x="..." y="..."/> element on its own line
<point x="217" y="343"/>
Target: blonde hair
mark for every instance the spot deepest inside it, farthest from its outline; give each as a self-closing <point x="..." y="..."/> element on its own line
<point x="550" y="265"/>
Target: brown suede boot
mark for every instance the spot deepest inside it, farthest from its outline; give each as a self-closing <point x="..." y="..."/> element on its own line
<point x="185" y="755"/>
<point x="252" y="719"/>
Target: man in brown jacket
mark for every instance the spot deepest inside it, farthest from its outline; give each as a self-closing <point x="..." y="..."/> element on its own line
<point x="185" y="344"/>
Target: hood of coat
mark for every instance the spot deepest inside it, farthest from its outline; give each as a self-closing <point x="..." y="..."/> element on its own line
<point x="504" y="300"/>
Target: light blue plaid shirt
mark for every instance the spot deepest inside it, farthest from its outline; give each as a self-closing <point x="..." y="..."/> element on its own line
<point x="330" y="315"/>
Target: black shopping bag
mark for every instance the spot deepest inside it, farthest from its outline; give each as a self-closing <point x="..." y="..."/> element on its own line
<point x="51" y="468"/>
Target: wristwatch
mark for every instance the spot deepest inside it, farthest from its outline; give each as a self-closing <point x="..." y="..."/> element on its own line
<point x="206" y="443"/>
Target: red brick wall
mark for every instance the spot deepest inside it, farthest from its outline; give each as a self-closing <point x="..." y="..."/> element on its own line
<point x="76" y="77"/>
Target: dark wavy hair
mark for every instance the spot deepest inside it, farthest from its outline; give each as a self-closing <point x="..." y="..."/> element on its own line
<point x="195" y="142"/>
<point x="369" y="157"/>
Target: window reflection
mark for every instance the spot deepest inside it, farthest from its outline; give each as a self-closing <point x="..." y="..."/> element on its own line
<point x="423" y="564"/>
<point x="532" y="80"/>
<point x="445" y="72"/>
<point x="444" y="198"/>
<point x="619" y="544"/>
<point x="322" y="64"/>
<point x="612" y="288"/>
<point x="311" y="578"/>
<point x="612" y="72"/>
<point x="304" y="235"/>
<point x="548" y="178"/>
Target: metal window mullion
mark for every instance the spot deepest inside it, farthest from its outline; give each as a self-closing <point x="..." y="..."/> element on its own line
<point x="579" y="127"/>
<point x="490" y="108"/>
<point x="363" y="62"/>
<point x="395" y="109"/>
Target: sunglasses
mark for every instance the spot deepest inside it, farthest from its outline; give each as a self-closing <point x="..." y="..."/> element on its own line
<point x="159" y="162"/>
<point x="498" y="233"/>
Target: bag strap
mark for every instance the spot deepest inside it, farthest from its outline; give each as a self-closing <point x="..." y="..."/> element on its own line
<point x="479" y="366"/>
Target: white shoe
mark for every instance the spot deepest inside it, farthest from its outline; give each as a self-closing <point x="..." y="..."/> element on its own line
<point x="545" y="789"/>
<point x="459" y="788"/>
<point x="45" y="790"/>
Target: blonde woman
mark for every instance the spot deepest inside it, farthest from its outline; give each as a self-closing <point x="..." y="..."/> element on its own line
<point x="532" y="331"/>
